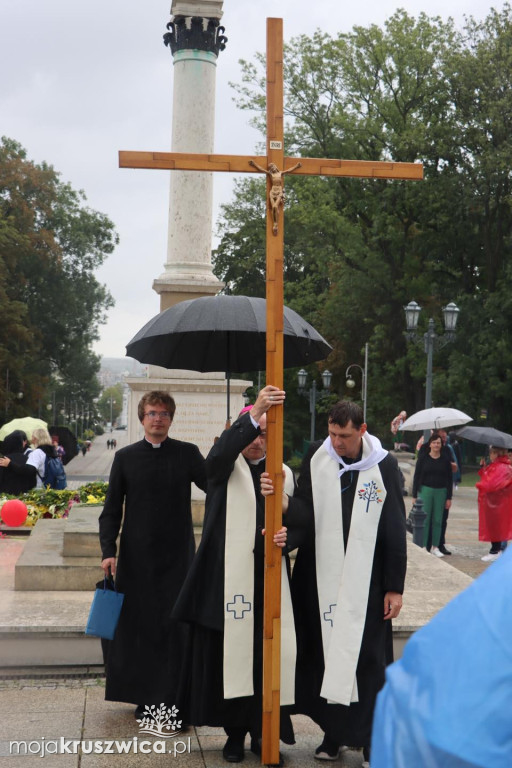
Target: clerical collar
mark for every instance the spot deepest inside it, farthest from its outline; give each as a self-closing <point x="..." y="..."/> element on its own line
<point x="255" y="462"/>
<point x="153" y="445"/>
<point x="349" y="460"/>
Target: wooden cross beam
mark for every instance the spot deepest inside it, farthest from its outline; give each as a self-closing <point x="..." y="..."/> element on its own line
<point x="274" y="164"/>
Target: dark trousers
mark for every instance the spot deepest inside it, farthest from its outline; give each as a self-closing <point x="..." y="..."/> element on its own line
<point x="443" y="528"/>
<point x="238" y="733"/>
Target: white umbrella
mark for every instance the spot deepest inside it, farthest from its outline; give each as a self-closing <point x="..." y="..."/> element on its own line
<point x="435" y="418"/>
<point x="26" y="423"/>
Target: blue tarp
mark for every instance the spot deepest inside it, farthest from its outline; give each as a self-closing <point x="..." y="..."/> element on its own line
<point x="447" y="703"/>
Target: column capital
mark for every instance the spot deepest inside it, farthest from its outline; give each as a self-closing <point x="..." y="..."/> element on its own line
<point x="211" y="9"/>
<point x="195" y="33"/>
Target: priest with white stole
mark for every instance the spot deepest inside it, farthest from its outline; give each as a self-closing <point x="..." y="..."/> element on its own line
<point x="347" y="584"/>
<point x="222" y="598"/>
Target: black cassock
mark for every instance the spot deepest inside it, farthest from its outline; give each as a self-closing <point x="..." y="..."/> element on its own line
<point x="349" y="725"/>
<point x="145" y="658"/>
<point x="201" y="602"/>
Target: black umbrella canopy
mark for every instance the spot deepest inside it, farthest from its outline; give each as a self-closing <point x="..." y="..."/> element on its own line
<point x="222" y="333"/>
<point x="68" y="441"/>
<point x="486" y="435"/>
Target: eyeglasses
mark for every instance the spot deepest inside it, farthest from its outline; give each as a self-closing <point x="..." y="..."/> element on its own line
<point x="158" y="414"/>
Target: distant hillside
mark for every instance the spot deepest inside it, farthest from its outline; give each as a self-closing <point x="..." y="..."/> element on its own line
<point x="118" y="365"/>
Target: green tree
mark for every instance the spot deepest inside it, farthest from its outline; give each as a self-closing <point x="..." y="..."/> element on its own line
<point x="110" y="403"/>
<point x="50" y="246"/>
<point x="357" y="251"/>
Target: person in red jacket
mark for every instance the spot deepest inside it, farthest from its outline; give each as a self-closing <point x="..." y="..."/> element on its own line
<point x="495" y="501"/>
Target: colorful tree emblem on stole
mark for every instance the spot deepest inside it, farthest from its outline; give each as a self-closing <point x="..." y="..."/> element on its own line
<point x="369" y="493"/>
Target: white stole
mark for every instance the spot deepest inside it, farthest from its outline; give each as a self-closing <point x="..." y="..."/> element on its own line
<point x="343" y="578"/>
<point x="239" y="591"/>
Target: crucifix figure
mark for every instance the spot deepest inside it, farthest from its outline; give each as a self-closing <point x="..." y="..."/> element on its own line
<point x="276" y="195"/>
<point x="274" y="160"/>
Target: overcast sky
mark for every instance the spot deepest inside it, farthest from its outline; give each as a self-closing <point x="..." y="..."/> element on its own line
<point x="83" y="80"/>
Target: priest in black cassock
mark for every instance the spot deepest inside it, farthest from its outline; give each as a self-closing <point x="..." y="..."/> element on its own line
<point x="222" y="598"/>
<point x="348" y="583"/>
<point x="152" y="480"/>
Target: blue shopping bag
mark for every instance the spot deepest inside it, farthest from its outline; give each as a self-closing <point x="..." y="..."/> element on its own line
<point x="105" y="610"/>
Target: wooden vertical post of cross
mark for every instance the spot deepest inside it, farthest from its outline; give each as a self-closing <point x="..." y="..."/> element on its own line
<point x="275" y="165"/>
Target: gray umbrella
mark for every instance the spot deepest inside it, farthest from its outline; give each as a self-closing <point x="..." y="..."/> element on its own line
<point x="487" y="435"/>
<point x="222" y="333"/>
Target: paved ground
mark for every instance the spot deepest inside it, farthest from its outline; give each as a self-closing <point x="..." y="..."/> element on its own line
<point x="96" y="463"/>
<point x="39" y="711"/>
<point x="75" y="711"/>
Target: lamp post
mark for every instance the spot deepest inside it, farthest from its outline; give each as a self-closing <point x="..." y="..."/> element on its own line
<point x="364" y="379"/>
<point x="10" y="395"/>
<point x="430" y="340"/>
<point x="313" y="393"/>
<point x="53" y="407"/>
<point x="112" y="402"/>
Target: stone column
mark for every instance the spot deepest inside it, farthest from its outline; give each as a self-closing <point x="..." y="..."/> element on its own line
<point x="195" y="40"/>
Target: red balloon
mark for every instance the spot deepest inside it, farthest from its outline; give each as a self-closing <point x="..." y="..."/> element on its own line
<point x="14" y="512"/>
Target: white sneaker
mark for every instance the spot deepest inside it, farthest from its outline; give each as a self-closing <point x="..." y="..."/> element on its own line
<point x="365" y="764"/>
<point x="437" y="552"/>
<point x="490" y="557"/>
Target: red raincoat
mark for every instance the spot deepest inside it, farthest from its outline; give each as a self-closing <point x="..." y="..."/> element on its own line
<point x="495" y="501"/>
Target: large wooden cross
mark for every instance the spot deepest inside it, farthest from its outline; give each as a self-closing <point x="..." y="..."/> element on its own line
<point x="274" y="164"/>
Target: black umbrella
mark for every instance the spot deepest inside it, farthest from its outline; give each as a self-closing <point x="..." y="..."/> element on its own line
<point x="222" y="333"/>
<point x="68" y="441"/>
<point x="487" y="435"/>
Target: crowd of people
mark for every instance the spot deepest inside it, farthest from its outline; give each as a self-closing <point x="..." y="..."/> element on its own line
<point x="190" y="634"/>
<point x="190" y="631"/>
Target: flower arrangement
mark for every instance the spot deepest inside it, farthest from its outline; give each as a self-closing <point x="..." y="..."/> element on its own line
<point x="48" y="503"/>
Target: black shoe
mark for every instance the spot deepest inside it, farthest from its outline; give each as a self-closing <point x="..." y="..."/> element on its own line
<point x="443" y="549"/>
<point x="140" y="712"/>
<point x="233" y="751"/>
<point x="327" y="750"/>
<point x="256" y="750"/>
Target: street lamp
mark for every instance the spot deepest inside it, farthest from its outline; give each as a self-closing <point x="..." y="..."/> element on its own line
<point x="53" y="407"/>
<point x="10" y="396"/>
<point x="364" y="379"/>
<point x="314" y="395"/>
<point x="112" y="402"/>
<point x="430" y="340"/>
